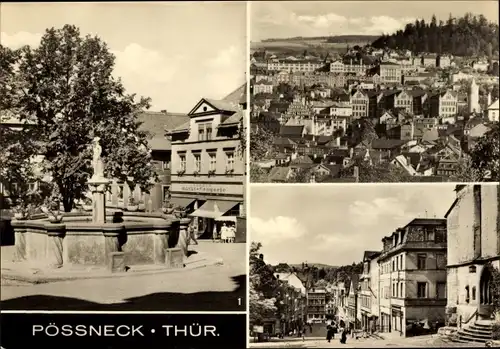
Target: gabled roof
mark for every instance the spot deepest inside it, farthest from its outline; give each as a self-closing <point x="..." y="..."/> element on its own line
<point x="233" y="120"/>
<point x="238" y="96"/>
<point x="368" y="255"/>
<point x="292" y="130"/>
<point x="219" y="105"/>
<point x="279" y="174"/>
<point x="387" y="143"/>
<point x="157" y="123"/>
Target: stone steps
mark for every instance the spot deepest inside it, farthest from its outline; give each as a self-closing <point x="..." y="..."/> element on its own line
<point x="479" y="332"/>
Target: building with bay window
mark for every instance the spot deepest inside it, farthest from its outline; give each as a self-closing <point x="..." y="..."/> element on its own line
<point x="208" y="162"/>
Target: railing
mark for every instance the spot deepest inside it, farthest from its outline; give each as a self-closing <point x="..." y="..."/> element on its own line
<point x="474" y="315"/>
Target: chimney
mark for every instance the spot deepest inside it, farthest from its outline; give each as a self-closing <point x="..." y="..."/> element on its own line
<point x="356" y="173"/>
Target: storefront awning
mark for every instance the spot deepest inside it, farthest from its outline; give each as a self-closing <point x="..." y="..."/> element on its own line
<point x="183" y="202"/>
<point x="214" y="209"/>
<point x="226" y="219"/>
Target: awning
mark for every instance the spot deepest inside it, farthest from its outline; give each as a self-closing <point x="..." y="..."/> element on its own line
<point x="214" y="209"/>
<point x="183" y="202"/>
<point x="226" y="219"/>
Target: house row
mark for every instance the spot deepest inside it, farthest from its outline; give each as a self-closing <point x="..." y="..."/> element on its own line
<point x="430" y="273"/>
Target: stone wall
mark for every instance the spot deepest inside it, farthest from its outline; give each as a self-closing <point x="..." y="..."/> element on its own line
<point x="489" y="216"/>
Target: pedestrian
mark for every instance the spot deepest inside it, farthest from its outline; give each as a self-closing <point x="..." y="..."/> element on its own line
<point x="192" y="233"/>
<point x="343" y="336"/>
<point x="214" y="233"/>
<point x="224" y="233"/>
<point x="303" y="333"/>
<point x="232" y="233"/>
<point x="329" y="333"/>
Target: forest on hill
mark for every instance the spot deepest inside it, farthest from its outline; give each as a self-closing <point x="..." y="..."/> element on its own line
<point x="329" y="39"/>
<point x="470" y="35"/>
<point x="311" y="274"/>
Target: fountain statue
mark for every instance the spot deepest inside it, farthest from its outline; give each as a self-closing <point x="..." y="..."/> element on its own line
<point x="97" y="160"/>
<point x="98" y="184"/>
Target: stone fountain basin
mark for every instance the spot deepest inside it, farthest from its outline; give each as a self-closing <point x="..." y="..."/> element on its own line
<point x="76" y="240"/>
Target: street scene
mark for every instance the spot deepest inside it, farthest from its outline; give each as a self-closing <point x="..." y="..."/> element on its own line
<point x="374" y="92"/>
<point x="122" y="157"/>
<point x="375" y="266"/>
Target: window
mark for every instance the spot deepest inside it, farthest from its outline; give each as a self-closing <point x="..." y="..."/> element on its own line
<point x="205" y="132"/>
<point x="393" y="265"/>
<point x="473" y="293"/>
<point x="197" y="162"/>
<point x="32" y="186"/>
<point x="120" y="191"/>
<point x="401" y="290"/>
<point x="401" y="262"/>
<point x="421" y="261"/>
<point x="165" y="165"/>
<point x="213" y="161"/>
<point x="393" y="290"/>
<point x="165" y="192"/>
<point x="441" y="290"/>
<point x="229" y="161"/>
<point x="421" y="289"/>
<point x="467" y="294"/>
<point x="182" y="162"/>
<point x="429" y="235"/>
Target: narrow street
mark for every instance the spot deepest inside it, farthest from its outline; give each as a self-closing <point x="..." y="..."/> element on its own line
<point x="420" y="341"/>
<point x="212" y="288"/>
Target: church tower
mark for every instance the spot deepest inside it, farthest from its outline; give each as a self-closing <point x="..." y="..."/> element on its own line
<point x="473" y="98"/>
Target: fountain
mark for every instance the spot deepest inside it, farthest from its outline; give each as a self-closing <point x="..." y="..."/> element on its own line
<point x="111" y="240"/>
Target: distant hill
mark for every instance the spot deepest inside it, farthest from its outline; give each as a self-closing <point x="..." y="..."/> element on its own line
<point x="470" y="35"/>
<point x="330" y="39"/>
<point x="315" y="265"/>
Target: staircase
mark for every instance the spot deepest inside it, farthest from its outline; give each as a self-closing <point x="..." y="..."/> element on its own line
<point x="480" y="331"/>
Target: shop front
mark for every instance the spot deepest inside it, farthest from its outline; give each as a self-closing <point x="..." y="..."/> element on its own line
<point x="213" y="207"/>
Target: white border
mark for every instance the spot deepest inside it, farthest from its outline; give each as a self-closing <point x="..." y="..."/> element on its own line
<point x="247" y="186"/>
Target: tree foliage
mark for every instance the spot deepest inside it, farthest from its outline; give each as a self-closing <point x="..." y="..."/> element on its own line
<point x="258" y="174"/>
<point x="261" y="143"/>
<point x="67" y="88"/>
<point x="483" y="163"/>
<point x="264" y="287"/>
<point x="469" y="35"/>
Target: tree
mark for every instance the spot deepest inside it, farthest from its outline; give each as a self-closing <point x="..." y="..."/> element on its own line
<point x="261" y="143"/>
<point x="18" y="145"/>
<point x="67" y="88"/>
<point x="484" y="162"/>
<point x="300" y="175"/>
<point x="264" y="288"/>
<point x="258" y="174"/>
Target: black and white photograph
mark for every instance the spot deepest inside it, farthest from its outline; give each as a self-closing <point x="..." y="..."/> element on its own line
<point x="374" y="91"/>
<point x="122" y="156"/>
<point x="374" y="265"/>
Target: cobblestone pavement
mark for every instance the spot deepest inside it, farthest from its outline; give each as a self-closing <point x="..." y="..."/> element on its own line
<point x="420" y="341"/>
<point x="212" y="288"/>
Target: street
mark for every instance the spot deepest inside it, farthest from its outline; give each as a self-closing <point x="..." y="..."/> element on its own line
<point x="420" y="341"/>
<point x="212" y="288"/>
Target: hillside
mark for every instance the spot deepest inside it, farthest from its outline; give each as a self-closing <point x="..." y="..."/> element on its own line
<point x="469" y="35"/>
<point x="330" y="39"/>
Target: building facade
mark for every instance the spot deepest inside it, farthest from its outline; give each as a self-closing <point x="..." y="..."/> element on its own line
<point x="208" y="167"/>
<point x="316" y="305"/>
<point x="368" y="294"/>
<point x="413" y="275"/>
<point x="473" y="247"/>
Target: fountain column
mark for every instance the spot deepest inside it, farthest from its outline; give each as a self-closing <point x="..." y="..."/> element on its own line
<point x="184" y="237"/>
<point x="161" y="241"/>
<point x="98" y="188"/>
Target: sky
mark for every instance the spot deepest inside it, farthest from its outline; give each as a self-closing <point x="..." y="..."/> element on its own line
<point x="175" y="53"/>
<point x="282" y="19"/>
<point x="335" y="224"/>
